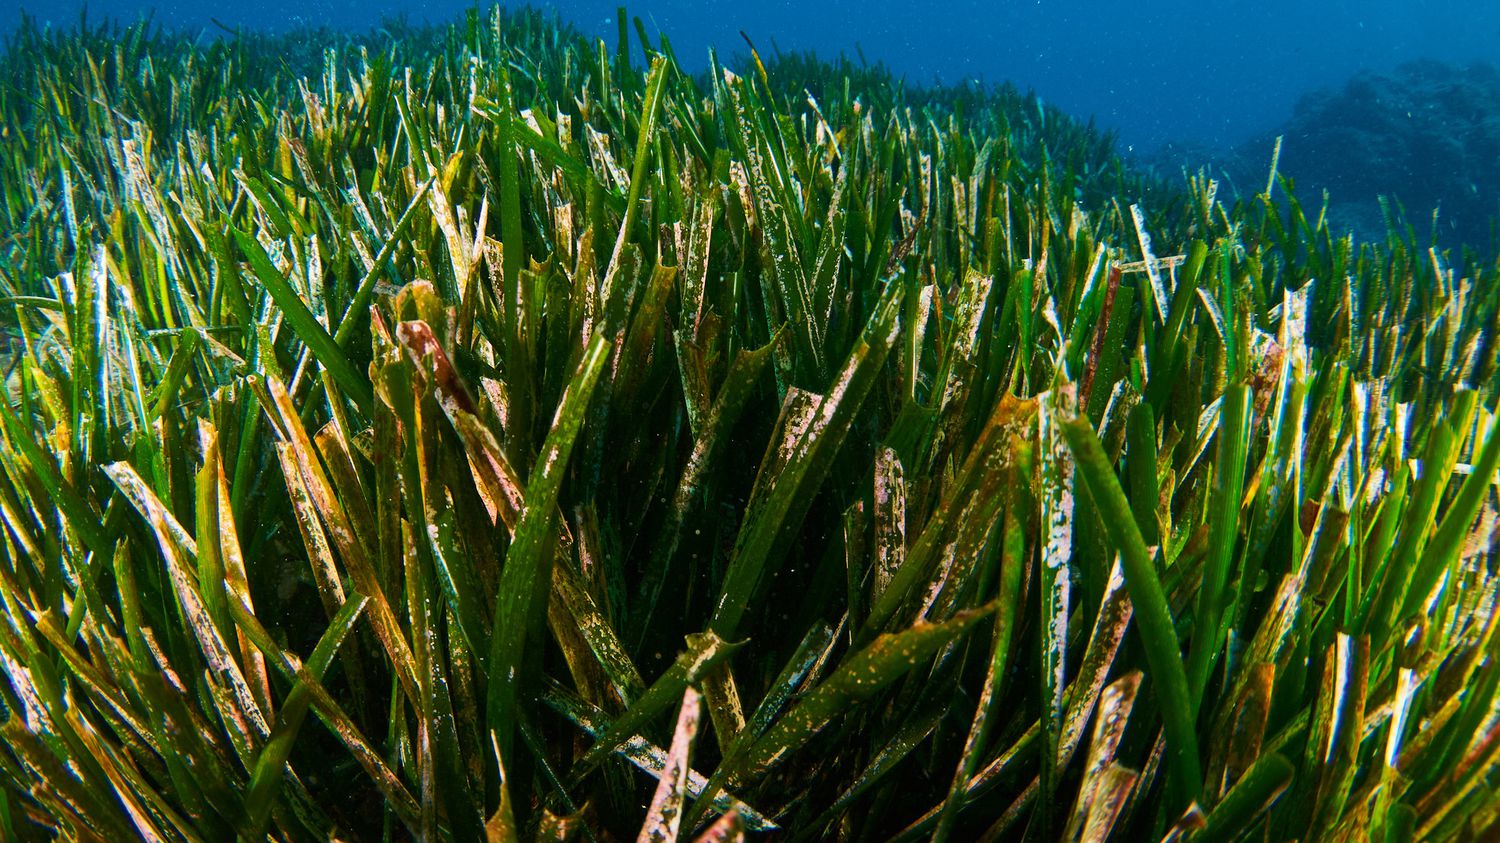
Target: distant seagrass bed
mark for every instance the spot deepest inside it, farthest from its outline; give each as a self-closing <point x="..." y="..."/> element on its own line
<point x="479" y="432"/>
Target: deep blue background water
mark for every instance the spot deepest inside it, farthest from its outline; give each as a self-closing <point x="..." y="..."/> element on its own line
<point x="1210" y="73"/>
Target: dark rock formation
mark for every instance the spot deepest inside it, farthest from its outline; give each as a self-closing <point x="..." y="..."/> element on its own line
<point x="1427" y="135"/>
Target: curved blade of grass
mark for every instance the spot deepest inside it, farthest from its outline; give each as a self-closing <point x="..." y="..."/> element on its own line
<point x="354" y="383"/>
<point x="267" y="774"/>
<point x="650" y="109"/>
<point x="521" y="603"/>
<point x="860" y="677"/>
<point x="177" y="369"/>
<point x="733" y="395"/>
<point x="704" y="651"/>
<point x="1420" y="513"/>
<point x="1443" y="551"/>
<point x="1253" y="794"/>
<point x="1153" y="616"/>
<point x="791" y="492"/>
<point x="1229" y="481"/>
<point x="365" y="289"/>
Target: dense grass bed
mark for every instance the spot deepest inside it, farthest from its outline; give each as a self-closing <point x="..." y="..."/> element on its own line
<point x="481" y="433"/>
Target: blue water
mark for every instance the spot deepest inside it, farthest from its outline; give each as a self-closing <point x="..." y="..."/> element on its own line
<point x="1206" y="73"/>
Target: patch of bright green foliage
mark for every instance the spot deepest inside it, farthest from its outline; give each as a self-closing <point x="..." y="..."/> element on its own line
<point x="482" y="433"/>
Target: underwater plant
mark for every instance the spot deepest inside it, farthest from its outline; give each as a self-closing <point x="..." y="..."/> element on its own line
<point x="478" y="432"/>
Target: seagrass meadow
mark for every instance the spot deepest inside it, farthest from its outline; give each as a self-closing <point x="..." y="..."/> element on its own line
<point x="482" y="432"/>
